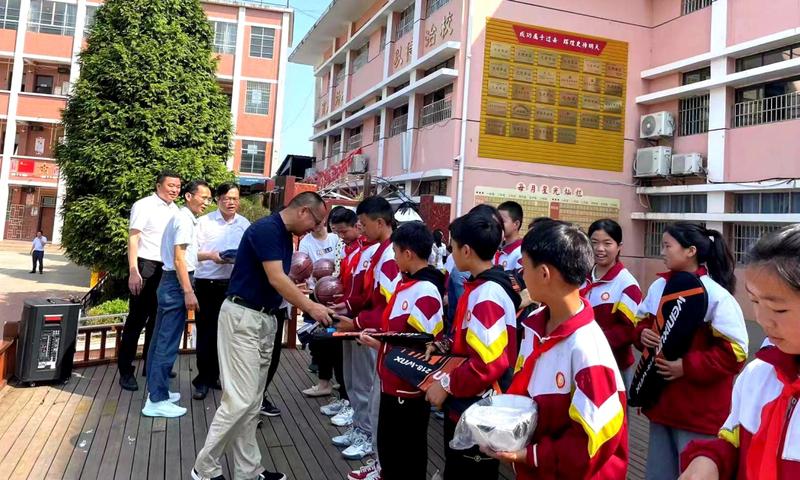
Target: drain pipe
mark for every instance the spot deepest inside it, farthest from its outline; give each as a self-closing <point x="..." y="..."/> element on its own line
<point x="464" y="105"/>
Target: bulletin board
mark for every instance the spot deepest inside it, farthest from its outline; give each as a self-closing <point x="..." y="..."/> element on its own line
<point x="557" y="203"/>
<point x="553" y="97"/>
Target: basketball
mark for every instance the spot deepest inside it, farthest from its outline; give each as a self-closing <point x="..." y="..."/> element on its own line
<point x="323" y="267"/>
<point x="301" y="267"/>
<point x="328" y="289"/>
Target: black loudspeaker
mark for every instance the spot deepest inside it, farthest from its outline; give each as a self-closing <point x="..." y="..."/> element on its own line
<point x="48" y="332"/>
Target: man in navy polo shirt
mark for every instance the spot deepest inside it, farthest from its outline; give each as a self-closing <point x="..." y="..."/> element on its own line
<point x="247" y="326"/>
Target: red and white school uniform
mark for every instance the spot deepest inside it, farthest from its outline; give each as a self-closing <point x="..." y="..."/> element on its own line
<point x="615" y="299"/>
<point x="574" y="379"/>
<point x="700" y="400"/>
<point x="510" y="256"/>
<point x="380" y="281"/>
<point x="760" y="440"/>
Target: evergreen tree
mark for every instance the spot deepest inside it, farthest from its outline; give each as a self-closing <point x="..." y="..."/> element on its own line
<point x="147" y="100"/>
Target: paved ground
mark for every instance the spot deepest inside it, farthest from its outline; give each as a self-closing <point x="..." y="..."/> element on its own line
<point x="60" y="279"/>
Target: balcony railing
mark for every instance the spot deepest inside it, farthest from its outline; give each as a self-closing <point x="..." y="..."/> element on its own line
<point x="376" y="132"/>
<point x="690" y="6"/>
<point x="436" y="112"/>
<point x="398" y="125"/>
<point x="767" y="110"/>
<point x="354" y="142"/>
<point x="336" y="147"/>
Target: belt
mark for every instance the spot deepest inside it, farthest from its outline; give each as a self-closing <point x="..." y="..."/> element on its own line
<point x="214" y="281"/>
<point x="244" y="303"/>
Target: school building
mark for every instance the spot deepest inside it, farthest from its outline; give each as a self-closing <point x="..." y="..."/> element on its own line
<point x="646" y="111"/>
<point x="39" y="45"/>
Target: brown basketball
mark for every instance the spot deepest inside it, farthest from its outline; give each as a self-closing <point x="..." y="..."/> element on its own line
<point x="323" y="267"/>
<point x="327" y="290"/>
<point x="301" y="267"/>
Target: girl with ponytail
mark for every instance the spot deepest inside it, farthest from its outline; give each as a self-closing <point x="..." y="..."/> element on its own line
<point x="694" y="403"/>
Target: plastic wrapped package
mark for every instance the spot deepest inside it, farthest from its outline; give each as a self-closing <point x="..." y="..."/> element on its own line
<point x="504" y="423"/>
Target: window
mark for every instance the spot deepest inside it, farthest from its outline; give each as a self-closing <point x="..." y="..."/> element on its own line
<point x="697" y="75"/>
<point x="406" y="22"/>
<point x="91" y="11"/>
<point x="449" y="63"/>
<point x="652" y="238"/>
<point x="769" y="57"/>
<point x="361" y="58"/>
<point x="433" y="187"/>
<point x="355" y="138"/>
<point x="383" y="39"/>
<point x="376" y="130"/>
<point x="257" y="98"/>
<point x="400" y="87"/>
<point x="52" y="17"/>
<point x="690" y="6"/>
<point x="9" y="14"/>
<point x="436" y="106"/>
<point x="744" y="235"/>
<point x="43" y="84"/>
<point x="693" y="115"/>
<point x="773" y="202"/>
<point x="678" y="203"/>
<point x="224" y="37"/>
<point x="262" y="41"/>
<point x="399" y="120"/>
<point x="767" y="103"/>
<point x="253" y="157"/>
<point x="434" y="5"/>
<point x="339" y="68"/>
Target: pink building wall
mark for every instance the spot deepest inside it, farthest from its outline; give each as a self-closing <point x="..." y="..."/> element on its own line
<point x="447" y="23"/>
<point x="771" y="150"/>
<point x="751" y="19"/>
<point x="371" y="73"/>
<point x="684" y="36"/>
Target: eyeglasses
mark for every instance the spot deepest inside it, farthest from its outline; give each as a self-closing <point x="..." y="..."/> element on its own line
<point x="317" y="221"/>
<point x="228" y="199"/>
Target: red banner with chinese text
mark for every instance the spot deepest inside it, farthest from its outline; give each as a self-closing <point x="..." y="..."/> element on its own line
<point x="558" y="40"/>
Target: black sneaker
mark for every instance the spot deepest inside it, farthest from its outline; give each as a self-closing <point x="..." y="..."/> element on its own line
<point x="268" y="409"/>
<point x="128" y="382"/>
<point x="200" y="392"/>
<point x="267" y="475"/>
<point x="197" y="476"/>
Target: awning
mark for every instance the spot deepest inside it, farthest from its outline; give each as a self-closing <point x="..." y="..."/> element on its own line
<point x="249" y="181"/>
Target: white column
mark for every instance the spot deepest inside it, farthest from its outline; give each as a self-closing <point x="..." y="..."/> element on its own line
<point x="236" y="92"/>
<point x="411" y="122"/>
<point x="347" y="72"/>
<point x="717" y="111"/>
<point x="278" y="125"/>
<point x="387" y="52"/>
<point x="415" y="36"/>
<point x="387" y="58"/>
<point x="11" y="119"/>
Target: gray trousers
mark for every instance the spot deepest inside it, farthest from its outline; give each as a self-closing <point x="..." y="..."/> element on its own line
<point x="363" y="385"/>
<point x="245" y="343"/>
<point x="666" y="445"/>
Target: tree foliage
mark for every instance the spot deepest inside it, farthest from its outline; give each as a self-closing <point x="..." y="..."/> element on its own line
<point x="146" y="100"/>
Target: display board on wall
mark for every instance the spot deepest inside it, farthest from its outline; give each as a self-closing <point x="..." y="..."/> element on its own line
<point x="552" y="97"/>
<point x="559" y="203"/>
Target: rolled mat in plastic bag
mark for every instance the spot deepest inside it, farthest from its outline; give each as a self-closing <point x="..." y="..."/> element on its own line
<point x="504" y="423"/>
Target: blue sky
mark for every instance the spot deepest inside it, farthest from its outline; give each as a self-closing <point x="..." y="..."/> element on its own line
<point x="298" y="108"/>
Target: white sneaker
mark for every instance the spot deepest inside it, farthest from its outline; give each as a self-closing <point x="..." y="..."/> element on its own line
<point x="370" y="471"/>
<point x="344" y="418"/>
<point x="164" y="409"/>
<point x="174" y="397"/>
<point x="318" y="391"/>
<point x="334" y="407"/>
<point x="345" y="439"/>
<point x="361" y="447"/>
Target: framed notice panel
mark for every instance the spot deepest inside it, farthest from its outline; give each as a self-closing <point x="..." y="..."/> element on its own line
<point x="554" y="97"/>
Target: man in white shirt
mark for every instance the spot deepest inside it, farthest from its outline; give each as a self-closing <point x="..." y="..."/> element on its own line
<point x="37" y="251"/>
<point x="217" y="233"/>
<point x="149" y="217"/>
<point x="176" y="299"/>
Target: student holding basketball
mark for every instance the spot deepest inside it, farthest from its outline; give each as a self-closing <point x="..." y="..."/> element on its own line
<point x="697" y="393"/>
<point x="761" y="437"/>
<point x="416" y="306"/>
<point x="613" y="293"/>
<point x="484" y="331"/>
<point x="573" y="377"/>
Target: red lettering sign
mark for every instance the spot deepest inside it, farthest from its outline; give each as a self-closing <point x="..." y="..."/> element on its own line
<point x="559" y="41"/>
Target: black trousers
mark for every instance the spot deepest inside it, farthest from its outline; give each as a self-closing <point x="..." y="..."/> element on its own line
<point x="403" y="438"/>
<point x="471" y="463"/>
<point x="38" y="257"/>
<point x="327" y="355"/>
<point x="276" y="349"/>
<point x="210" y="295"/>
<point x="142" y="311"/>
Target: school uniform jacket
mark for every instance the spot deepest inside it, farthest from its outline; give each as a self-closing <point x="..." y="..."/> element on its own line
<point x="761" y="437"/>
<point x="615" y="299"/>
<point x="380" y="282"/>
<point x="416" y="306"/>
<point x="700" y="400"/>
<point x="485" y="328"/>
<point x="356" y="294"/>
<point x="582" y="427"/>
<point x="510" y="256"/>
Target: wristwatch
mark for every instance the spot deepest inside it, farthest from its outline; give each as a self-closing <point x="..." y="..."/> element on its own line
<point x="444" y="381"/>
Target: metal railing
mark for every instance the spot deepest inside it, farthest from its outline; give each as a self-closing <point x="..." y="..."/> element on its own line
<point x="376" y="132"/>
<point x="767" y="110"/>
<point x="336" y="147"/>
<point x="744" y="235"/>
<point x="693" y="115"/>
<point x="398" y="125"/>
<point x="436" y="112"/>
<point x="434" y="5"/>
<point x="354" y="142"/>
<point x="690" y="6"/>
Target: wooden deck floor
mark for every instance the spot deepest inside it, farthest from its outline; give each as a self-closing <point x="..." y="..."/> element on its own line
<point x="91" y="429"/>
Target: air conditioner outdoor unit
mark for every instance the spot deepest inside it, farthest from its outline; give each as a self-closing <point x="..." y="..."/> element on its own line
<point x="652" y="162"/>
<point x="687" y="164"/>
<point x="359" y="164"/>
<point x="656" y="125"/>
<point x="310" y="172"/>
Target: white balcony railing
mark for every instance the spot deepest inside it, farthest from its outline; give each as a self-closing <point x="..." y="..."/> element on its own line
<point x="690" y="6"/>
<point x="398" y="125"/>
<point x="767" y="110"/>
<point x="354" y="142"/>
<point x="436" y="112"/>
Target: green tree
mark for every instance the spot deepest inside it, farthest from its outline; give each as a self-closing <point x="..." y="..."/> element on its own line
<point x="146" y="100"/>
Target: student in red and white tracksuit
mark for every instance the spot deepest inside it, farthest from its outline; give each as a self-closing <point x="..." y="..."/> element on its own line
<point x="696" y="399"/>
<point x="760" y="440"/>
<point x="613" y="293"/>
<point x="509" y="257"/>
<point x="416" y="306"/>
